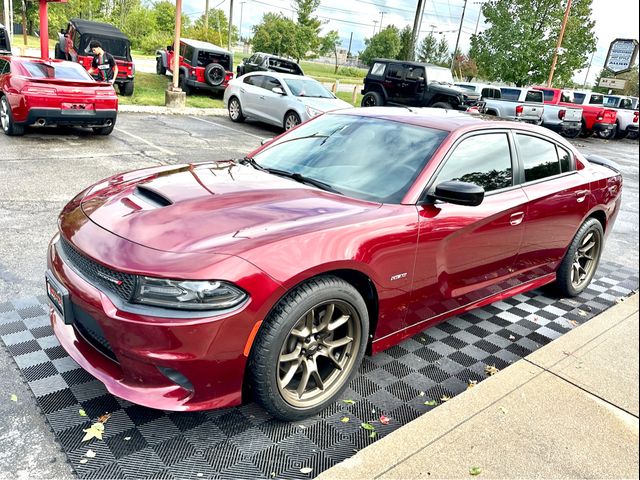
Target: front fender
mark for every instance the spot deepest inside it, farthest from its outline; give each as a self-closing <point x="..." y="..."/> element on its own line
<point x="162" y="55"/>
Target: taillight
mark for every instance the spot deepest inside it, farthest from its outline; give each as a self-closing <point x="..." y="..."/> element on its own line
<point x="635" y="117"/>
<point x="38" y="90"/>
<point x="519" y="110"/>
<point x="561" y="114"/>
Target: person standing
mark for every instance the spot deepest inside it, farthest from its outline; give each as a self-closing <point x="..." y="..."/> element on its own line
<point x="103" y="66"/>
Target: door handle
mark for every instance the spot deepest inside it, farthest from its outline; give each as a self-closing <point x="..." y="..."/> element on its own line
<point x="242" y="90"/>
<point x="581" y="195"/>
<point x="516" y="219"/>
<point x="262" y="97"/>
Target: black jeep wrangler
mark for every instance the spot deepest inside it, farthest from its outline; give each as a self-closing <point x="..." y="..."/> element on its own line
<point x="399" y="82"/>
<point x="263" y="62"/>
<point x="5" y="45"/>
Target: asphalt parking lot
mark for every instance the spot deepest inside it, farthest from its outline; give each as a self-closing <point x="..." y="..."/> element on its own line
<point x="40" y="172"/>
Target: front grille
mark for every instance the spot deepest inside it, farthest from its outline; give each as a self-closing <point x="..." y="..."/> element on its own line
<point x="91" y="331"/>
<point x="122" y="284"/>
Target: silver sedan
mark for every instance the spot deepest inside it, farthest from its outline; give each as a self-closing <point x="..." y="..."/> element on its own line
<point x="278" y="98"/>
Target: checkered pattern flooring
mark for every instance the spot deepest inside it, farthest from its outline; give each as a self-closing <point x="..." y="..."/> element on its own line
<point x="245" y="442"/>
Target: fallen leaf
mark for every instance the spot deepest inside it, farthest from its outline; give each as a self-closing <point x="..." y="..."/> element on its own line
<point x="126" y="439"/>
<point x="14" y="397"/>
<point x="475" y="471"/>
<point x="472" y="383"/>
<point x="491" y="370"/>
<point x="94" y="431"/>
<point x="84" y="460"/>
<point x="103" y="418"/>
<point x="367" y="426"/>
<point x="536" y="318"/>
<point x="90" y="454"/>
<point x="349" y="402"/>
<point x="422" y="394"/>
<point x="582" y="313"/>
<point x="372" y="435"/>
<point x="431" y="403"/>
<point x="344" y="419"/>
<point x="82" y="413"/>
<point x="445" y="398"/>
<point x="384" y="420"/>
<point x="503" y="410"/>
<point x="574" y="323"/>
<point x="306" y="470"/>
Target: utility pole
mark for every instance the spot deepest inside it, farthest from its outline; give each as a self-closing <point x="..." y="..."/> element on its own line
<point x="206" y="16"/>
<point x="560" y="37"/>
<point x="381" y="18"/>
<point x="584" y="85"/>
<point x="375" y="24"/>
<point x="7" y="18"/>
<point x="417" y="24"/>
<point x="349" y="51"/>
<point x="478" y="21"/>
<point x="230" y="24"/>
<point x="455" y="50"/>
<point x="241" y="10"/>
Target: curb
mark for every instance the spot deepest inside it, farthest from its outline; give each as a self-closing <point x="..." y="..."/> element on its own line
<point x="157" y="110"/>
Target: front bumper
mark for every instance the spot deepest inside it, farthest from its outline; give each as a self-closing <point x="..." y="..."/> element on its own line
<point x="59" y="117"/>
<point x="128" y="352"/>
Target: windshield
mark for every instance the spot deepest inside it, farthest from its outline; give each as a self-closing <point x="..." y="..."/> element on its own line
<point x="442" y="75"/>
<point x="366" y="158"/>
<point x="62" y="71"/>
<point x="307" y="88"/>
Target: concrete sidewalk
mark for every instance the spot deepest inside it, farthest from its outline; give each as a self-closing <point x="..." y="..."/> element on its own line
<point x="568" y="410"/>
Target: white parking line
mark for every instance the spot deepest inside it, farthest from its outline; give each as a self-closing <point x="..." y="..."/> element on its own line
<point x="160" y="149"/>
<point x="229" y="128"/>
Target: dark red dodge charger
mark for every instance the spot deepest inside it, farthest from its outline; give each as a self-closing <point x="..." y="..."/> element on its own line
<point x="194" y="287"/>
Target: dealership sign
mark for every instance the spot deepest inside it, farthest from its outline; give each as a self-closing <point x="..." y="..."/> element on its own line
<point x="612" y="83"/>
<point x="622" y="55"/>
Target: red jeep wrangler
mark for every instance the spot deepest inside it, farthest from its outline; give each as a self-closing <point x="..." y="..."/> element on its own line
<point x="595" y="118"/>
<point x="73" y="44"/>
<point x="203" y="65"/>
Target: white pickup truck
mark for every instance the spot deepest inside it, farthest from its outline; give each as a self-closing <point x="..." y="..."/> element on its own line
<point x="626" y="120"/>
<point x="519" y="104"/>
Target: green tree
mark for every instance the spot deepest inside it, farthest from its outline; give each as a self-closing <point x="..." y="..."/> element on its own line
<point x="520" y="42"/>
<point x="218" y="31"/>
<point x="405" y="43"/>
<point x="433" y="51"/>
<point x="385" y="44"/>
<point x="465" y="67"/>
<point x="330" y="44"/>
<point x="275" y="34"/>
<point x="308" y="40"/>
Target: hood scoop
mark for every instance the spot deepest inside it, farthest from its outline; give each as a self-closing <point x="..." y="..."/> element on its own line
<point x="151" y="196"/>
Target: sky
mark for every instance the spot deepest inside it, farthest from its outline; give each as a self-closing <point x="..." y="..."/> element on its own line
<point x="613" y="19"/>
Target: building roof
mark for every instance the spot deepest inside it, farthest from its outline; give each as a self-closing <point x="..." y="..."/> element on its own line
<point x="97" y="28"/>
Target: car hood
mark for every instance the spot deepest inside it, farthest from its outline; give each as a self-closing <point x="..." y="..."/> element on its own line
<point x="217" y="207"/>
<point x="324" y="104"/>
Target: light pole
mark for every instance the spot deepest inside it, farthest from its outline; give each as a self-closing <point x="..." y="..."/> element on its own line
<point x="375" y="24"/>
<point x="381" y="18"/>
<point x="417" y="23"/>
<point x="230" y="24"/>
<point x="176" y="46"/>
<point x="241" y="10"/>
<point x="206" y="16"/>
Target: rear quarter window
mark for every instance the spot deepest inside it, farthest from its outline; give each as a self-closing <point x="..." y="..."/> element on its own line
<point x="511" y="94"/>
<point x="539" y="157"/>
<point x="378" y="69"/>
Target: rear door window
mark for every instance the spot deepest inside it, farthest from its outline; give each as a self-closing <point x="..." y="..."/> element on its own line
<point x="596" y="99"/>
<point x="414" y="73"/>
<point x="269" y="83"/>
<point x="394" y="71"/>
<point x="539" y="157"/>
<point x="534" y="96"/>
<point x="255" y="80"/>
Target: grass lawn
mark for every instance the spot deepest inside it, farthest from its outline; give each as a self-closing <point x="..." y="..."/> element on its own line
<point x="149" y="90"/>
<point x="325" y="72"/>
<point x="348" y="97"/>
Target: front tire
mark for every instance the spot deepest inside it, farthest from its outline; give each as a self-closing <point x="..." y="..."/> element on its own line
<point x="372" y="99"/>
<point x="291" y="120"/>
<point x="7" y="123"/>
<point x="309" y="348"/>
<point x="235" y="110"/>
<point x="445" y="105"/>
<point x="160" y="69"/>
<point x="581" y="260"/>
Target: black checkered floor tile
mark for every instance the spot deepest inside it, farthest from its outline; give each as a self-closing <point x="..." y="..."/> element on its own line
<point x="245" y="442"/>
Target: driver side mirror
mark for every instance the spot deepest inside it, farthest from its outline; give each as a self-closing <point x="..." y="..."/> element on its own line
<point x="63" y="32"/>
<point x="459" y="193"/>
<point x="278" y="90"/>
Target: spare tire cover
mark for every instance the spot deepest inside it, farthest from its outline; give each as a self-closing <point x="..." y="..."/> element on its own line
<point x="214" y="74"/>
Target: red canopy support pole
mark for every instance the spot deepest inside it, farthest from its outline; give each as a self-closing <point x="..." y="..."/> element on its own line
<point x="44" y="30"/>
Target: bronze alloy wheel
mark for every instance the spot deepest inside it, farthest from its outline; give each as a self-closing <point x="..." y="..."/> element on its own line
<point x="585" y="259"/>
<point x="319" y="353"/>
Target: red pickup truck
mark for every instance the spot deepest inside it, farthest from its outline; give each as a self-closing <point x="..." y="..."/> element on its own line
<point x="595" y="117"/>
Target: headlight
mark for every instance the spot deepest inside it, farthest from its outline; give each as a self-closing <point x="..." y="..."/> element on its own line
<point x="313" y="112"/>
<point x="188" y="294"/>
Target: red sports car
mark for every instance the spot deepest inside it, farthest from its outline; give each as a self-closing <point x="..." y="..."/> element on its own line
<point x="192" y="287"/>
<point x="35" y="92"/>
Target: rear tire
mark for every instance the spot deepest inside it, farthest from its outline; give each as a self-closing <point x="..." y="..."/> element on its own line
<point x="160" y="69"/>
<point x="182" y="83"/>
<point x="445" y="105"/>
<point x="235" y="110"/>
<point x="126" y="89"/>
<point x="309" y="348"/>
<point x="372" y="99"/>
<point x="7" y="123"/>
<point x="581" y="260"/>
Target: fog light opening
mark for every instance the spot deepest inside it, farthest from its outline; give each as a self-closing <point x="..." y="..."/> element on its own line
<point x="176" y="377"/>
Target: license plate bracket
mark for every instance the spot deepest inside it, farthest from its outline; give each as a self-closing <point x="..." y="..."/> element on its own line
<point x="59" y="298"/>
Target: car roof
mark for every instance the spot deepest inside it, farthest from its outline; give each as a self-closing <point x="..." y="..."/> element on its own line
<point x="271" y="55"/>
<point x="438" y="118"/>
<point x="407" y="62"/>
<point x="280" y="75"/>
<point x="98" y="28"/>
<point x="203" y="45"/>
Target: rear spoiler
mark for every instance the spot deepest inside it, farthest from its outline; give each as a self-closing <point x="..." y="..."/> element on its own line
<point x="68" y="83"/>
<point x="605" y="162"/>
